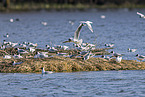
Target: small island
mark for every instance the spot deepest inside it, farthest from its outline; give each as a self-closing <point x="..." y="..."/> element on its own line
<point x="56" y="63"/>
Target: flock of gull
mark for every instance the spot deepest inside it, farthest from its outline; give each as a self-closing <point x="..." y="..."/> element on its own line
<point x="84" y="49"/>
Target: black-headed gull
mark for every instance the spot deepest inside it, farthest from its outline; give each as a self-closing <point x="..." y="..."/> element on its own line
<point x="7" y="57"/>
<point x="107" y="58"/>
<point x="5" y="42"/>
<point x="118" y="59"/>
<point x="14" y="63"/>
<point x="32" y="44"/>
<point x="47" y="46"/>
<point x="21" y="51"/>
<point x="11" y="20"/>
<point x="12" y="44"/>
<point x="32" y="49"/>
<point x="141" y="15"/>
<point x="52" y="50"/>
<point x="7" y="35"/>
<point x="77" y="32"/>
<point x="17" y="56"/>
<point x="71" y="22"/>
<point x="40" y="55"/>
<point x="61" y="54"/>
<point x="46" y="72"/>
<point x="131" y="50"/>
<point x="87" y="55"/>
<point x="102" y="16"/>
<point x="140" y="57"/>
<point x="3" y="47"/>
<point x="82" y="23"/>
<point x="44" y="23"/>
<point x="109" y="44"/>
<point x="22" y="45"/>
<point x="115" y="54"/>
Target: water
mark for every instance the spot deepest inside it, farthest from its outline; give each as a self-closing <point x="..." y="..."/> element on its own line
<point x="78" y="84"/>
<point x="121" y="26"/>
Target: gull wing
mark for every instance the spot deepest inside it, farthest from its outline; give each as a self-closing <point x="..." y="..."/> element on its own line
<point x="77" y="32"/>
<point x="141" y="56"/>
<point x="89" y="25"/>
<point x="140" y="14"/>
<point x="70" y="41"/>
<point x="66" y="41"/>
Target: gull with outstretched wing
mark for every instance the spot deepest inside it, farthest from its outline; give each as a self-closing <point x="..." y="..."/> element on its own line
<point x="76" y="39"/>
<point x="88" y="23"/>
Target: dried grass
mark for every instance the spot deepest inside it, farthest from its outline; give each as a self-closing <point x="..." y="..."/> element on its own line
<point x="64" y="64"/>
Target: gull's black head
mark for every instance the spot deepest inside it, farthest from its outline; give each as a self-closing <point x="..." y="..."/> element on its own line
<point x="137" y="55"/>
<point x="112" y="52"/>
<point x="69" y="39"/>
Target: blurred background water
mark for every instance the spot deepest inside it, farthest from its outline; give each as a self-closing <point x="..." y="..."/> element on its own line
<point x="123" y="27"/>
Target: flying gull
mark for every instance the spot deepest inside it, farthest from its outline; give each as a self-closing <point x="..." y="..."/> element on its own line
<point x="77" y="32"/>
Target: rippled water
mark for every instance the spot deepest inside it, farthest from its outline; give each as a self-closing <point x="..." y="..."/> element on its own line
<point x="121" y="26"/>
<point x="78" y="84"/>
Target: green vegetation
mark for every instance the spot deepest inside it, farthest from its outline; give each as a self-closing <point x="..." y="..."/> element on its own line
<point x="25" y="6"/>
